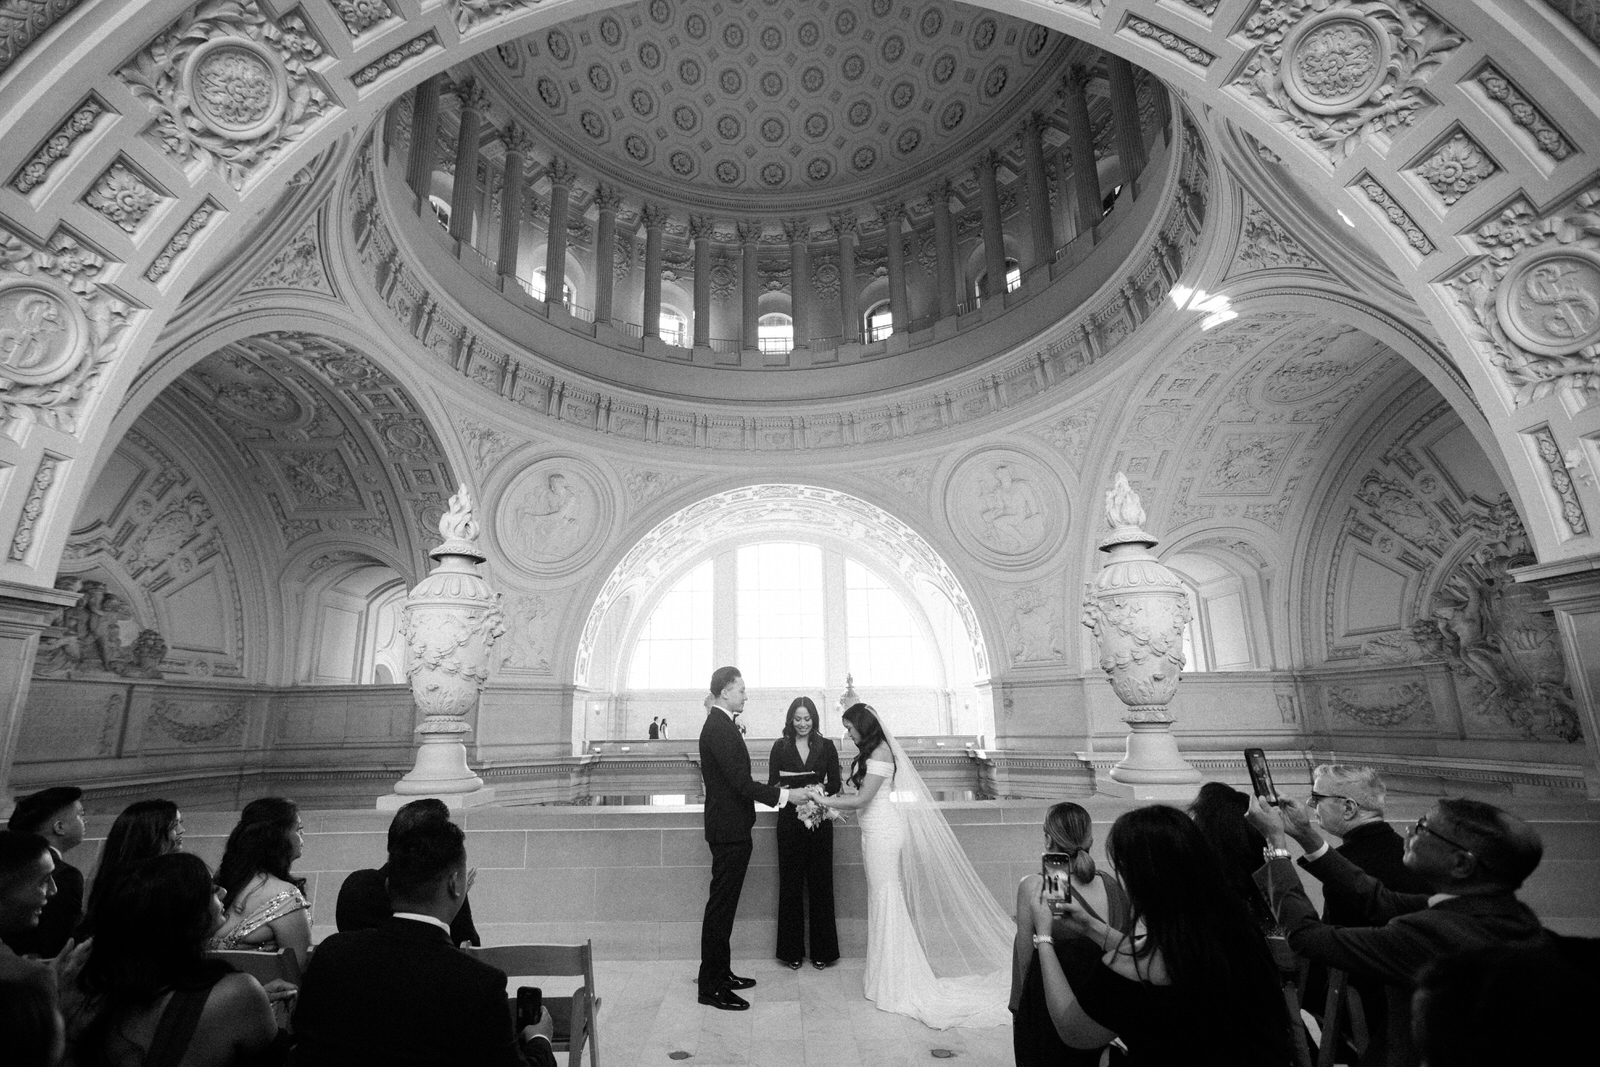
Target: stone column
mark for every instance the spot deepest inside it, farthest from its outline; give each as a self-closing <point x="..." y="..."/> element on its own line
<point x="1125" y="118"/>
<point x="798" y="231"/>
<point x="424" y="133"/>
<point x="517" y="148"/>
<point x="25" y="613"/>
<point x="555" y="251"/>
<point x="464" y="193"/>
<point x="994" y="241"/>
<point x="1080" y="138"/>
<point x="750" y="286"/>
<point x="654" y="218"/>
<point x="892" y="215"/>
<point x="845" y="228"/>
<point x="1044" y="226"/>
<point x="606" y="201"/>
<point x="700" y="233"/>
<point x="450" y="622"/>
<point x="1137" y="611"/>
<point x="944" y="249"/>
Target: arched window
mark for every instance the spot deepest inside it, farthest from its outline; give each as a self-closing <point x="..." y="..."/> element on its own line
<point x="536" y="288"/>
<point x="885" y="642"/>
<point x="441" y="210"/>
<point x="775" y="332"/>
<point x="1220" y="635"/>
<point x="674" y="327"/>
<point x="780" y="613"/>
<point x="674" y="649"/>
<point x="879" y="321"/>
<point x="353" y="636"/>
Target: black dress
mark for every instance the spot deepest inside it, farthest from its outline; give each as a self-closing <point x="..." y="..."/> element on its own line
<point x="1034" y="1041"/>
<point x="805" y="857"/>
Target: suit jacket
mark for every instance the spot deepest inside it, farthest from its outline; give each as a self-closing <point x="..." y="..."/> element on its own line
<point x="1403" y="933"/>
<point x="823" y="760"/>
<point x="730" y="791"/>
<point x="1376" y="848"/>
<point x="363" y="904"/>
<point x="402" y="994"/>
<point x="61" y="914"/>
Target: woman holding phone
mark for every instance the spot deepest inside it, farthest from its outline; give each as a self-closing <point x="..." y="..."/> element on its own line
<point x="1068" y="836"/>
<point x="802" y="757"/>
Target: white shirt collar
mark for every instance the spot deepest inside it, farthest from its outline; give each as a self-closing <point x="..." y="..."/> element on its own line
<point x="417" y="917"/>
<point x="1440" y="898"/>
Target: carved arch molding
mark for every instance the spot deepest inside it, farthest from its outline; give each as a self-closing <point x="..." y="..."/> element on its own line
<point x="1465" y="152"/>
<point x="752" y="508"/>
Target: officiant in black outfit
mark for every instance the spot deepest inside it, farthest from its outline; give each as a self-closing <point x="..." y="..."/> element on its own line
<point x="801" y="757"/>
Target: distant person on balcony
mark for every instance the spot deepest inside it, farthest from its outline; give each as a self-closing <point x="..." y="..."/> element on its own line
<point x="664" y="734"/>
<point x="364" y="898"/>
<point x="655" y="729"/>
<point x="55" y="814"/>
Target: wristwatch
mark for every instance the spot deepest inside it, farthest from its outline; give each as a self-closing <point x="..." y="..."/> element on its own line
<point x="1042" y="939"/>
<point x="1271" y="853"/>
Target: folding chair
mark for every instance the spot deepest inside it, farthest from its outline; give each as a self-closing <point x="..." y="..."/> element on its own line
<point x="1342" y="1019"/>
<point x="1290" y="975"/>
<point x="262" y="966"/>
<point x="575" y="1016"/>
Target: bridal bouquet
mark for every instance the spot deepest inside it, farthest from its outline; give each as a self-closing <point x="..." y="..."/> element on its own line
<point x="812" y="815"/>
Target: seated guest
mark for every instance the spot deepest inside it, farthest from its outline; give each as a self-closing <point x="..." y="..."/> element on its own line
<point x="1496" y="1006"/>
<point x="1219" y="811"/>
<point x="265" y="905"/>
<point x="402" y="993"/>
<point x="148" y="995"/>
<point x="364" y="897"/>
<point x="26" y="885"/>
<point x="55" y="814"/>
<point x="1473" y="857"/>
<point x="1192" y="983"/>
<point x="144" y="830"/>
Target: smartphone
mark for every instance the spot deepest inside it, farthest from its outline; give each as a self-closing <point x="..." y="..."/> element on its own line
<point x="530" y="1004"/>
<point x="1260" y="774"/>
<point x="1059" y="888"/>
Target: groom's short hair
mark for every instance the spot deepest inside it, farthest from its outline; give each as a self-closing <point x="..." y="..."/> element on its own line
<point x="723" y="677"/>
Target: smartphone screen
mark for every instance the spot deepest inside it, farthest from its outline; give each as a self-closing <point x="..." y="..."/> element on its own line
<point x="1058" y="888"/>
<point x="1260" y="774"/>
<point x="530" y="1004"/>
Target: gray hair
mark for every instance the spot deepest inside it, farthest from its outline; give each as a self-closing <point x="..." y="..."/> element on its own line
<point x="1363" y="785"/>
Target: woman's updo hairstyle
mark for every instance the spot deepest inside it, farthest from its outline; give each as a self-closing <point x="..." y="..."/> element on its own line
<point x="1070" y="830"/>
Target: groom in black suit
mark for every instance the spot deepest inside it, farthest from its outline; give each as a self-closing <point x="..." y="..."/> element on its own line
<point x="730" y="812"/>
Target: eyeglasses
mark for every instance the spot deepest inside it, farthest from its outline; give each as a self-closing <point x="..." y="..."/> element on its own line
<point x="1318" y="798"/>
<point x="1421" y="827"/>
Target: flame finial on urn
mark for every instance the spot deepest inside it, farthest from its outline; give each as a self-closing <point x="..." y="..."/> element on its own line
<point x="458" y="528"/>
<point x="1124" y="516"/>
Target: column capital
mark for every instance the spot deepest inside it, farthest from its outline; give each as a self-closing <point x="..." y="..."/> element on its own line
<point x="845" y="224"/>
<point x="749" y="231"/>
<point x="561" y="172"/>
<point x="473" y="96"/>
<point x="797" y="231"/>
<point x="1036" y="123"/>
<point x="653" y="217"/>
<point x="891" y="214"/>
<point x="700" y="227"/>
<point x="940" y="192"/>
<point x="606" y="198"/>
<point x="988" y="160"/>
<point x="516" y="139"/>
<point x="1076" y="80"/>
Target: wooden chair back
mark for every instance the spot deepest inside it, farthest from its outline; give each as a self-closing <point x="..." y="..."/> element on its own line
<point x="264" y="967"/>
<point x="576" y="1016"/>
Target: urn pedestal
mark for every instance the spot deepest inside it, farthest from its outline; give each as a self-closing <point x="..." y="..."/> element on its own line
<point x="1137" y="610"/>
<point x="450" y="622"/>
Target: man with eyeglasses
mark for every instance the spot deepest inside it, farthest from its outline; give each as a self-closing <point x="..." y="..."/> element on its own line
<point x="1473" y="857"/>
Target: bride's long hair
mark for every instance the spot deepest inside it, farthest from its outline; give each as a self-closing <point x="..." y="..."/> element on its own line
<point x="865" y="720"/>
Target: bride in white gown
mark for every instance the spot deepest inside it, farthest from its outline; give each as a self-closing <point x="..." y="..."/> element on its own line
<point x="938" y="943"/>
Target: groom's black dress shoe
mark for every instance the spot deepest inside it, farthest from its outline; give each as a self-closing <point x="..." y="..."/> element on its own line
<point x="735" y="982"/>
<point x="726" y="999"/>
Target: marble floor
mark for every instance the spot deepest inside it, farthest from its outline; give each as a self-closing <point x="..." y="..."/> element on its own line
<point x="649" y="1017"/>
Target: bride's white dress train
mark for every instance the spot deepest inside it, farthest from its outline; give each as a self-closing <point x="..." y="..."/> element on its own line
<point x="899" y="977"/>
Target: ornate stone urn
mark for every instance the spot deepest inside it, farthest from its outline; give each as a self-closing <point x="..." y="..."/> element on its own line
<point x="450" y="621"/>
<point x="1137" y="611"/>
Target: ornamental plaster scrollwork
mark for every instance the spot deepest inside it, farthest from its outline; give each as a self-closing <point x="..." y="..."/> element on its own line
<point x="645" y="485"/>
<point x="910" y="479"/>
<point x="485" y="444"/>
<point x="526" y="647"/>
<point x="1533" y="301"/>
<point x="1546" y="138"/>
<point x="1035" y="627"/>
<point x="23" y="22"/>
<point x="472" y="13"/>
<point x="1458" y="166"/>
<point x="1265" y="245"/>
<point x="58" y="146"/>
<point x="191" y="723"/>
<point x="1385" y="709"/>
<point x="298" y="266"/>
<point x="359" y="16"/>
<point x="123" y="196"/>
<point x="1340" y="73"/>
<point x="228" y="87"/>
<point x="58" y="329"/>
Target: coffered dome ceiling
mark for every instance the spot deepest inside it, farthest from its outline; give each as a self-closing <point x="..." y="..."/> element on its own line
<point x="805" y="101"/>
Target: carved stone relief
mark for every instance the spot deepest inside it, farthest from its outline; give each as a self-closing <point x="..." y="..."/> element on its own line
<point x="645" y="485"/>
<point x="1035" y="628"/>
<point x="1005" y="508"/>
<point x="1069" y="434"/>
<point x="1455" y="168"/>
<point x="1385" y="708"/>
<point x="1264" y="244"/>
<point x="526" y="645"/>
<point x="191" y="723"/>
<point x="298" y="266"/>
<point x="98" y="635"/>
<point x="123" y="196"/>
<point x="1248" y="463"/>
<point x="553" y="517"/>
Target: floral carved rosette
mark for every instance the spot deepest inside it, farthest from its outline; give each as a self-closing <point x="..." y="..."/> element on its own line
<point x="1339" y="72"/>
<point x="1137" y="611"/>
<point x="228" y="86"/>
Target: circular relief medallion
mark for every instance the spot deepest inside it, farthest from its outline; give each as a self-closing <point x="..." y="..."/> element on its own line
<point x="729" y="127"/>
<point x="689" y="72"/>
<point x="600" y="78"/>
<point x="558" y="44"/>
<point x="682" y="164"/>
<point x="1005" y="508"/>
<point x="42" y="333"/>
<point x="995" y="83"/>
<point x="549" y="92"/>
<point x="816" y="125"/>
<point x="644" y="105"/>
<point x="685" y="118"/>
<point x="944" y="68"/>
<point x="733" y="35"/>
<point x="952" y="115"/>
<point x="1334" y="61"/>
<point x="845" y="22"/>
<point x="859" y="113"/>
<point x="728" y="172"/>
<point x="1035" y="41"/>
<point x="660" y="11"/>
<point x="772" y="83"/>
<point x="853" y="67"/>
<point x="610" y="31"/>
<point x="908" y="141"/>
<point x="236" y="87"/>
<point x="819" y="170"/>
<point x="771" y="38"/>
<point x="812" y="79"/>
<point x="650" y="55"/>
<point x="881" y="8"/>
<point x="695" y="26"/>
<point x="552" y="519"/>
<point x="636" y="147"/>
<point x="983" y="33"/>
<point x="894" y="46"/>
<point x="731" y="80"/>
<point x="809" y="33"/>
<point x="864" y="158"/>
<point x="931" y="22"/>
<point x="592" y="124"/>
<point x="774" y="174"/>
<point x="1549" y="301"/>
<point x="902" y="94"/>
<point x="772" y="130"/>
